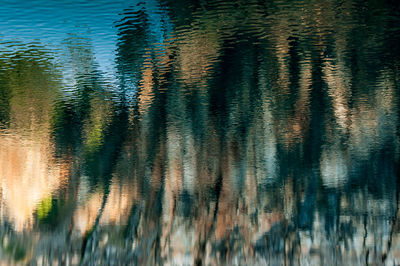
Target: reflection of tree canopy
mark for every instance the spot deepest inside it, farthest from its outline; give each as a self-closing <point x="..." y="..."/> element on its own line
<point x="29" y="87"/>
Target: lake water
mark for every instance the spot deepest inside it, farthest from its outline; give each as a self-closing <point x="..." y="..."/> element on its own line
<point x="184" y="132"/>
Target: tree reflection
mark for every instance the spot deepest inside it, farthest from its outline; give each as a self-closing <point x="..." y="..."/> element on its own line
<point x="263" y="137"/>
<point x="253" y="133"/>
<point x="29" y="173"/>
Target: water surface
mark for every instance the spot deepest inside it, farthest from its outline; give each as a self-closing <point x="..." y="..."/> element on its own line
<point x="199" y="132"/>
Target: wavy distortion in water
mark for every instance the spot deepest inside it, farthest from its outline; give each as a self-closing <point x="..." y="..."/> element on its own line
<point x="200" y="132"/>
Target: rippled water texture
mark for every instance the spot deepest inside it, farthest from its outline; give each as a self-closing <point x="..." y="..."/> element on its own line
<point x="184" y="132"/>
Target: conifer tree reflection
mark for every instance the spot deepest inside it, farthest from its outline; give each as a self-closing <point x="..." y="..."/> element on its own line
<point x="280" y="108"/>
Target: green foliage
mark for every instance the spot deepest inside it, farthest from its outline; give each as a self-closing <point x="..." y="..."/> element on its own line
<point x="29" y="85"/>
<point x="16" y="250"/>
<point x="44" y="207"/>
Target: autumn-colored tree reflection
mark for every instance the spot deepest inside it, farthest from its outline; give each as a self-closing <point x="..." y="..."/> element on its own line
<point x="29" y="174"/>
